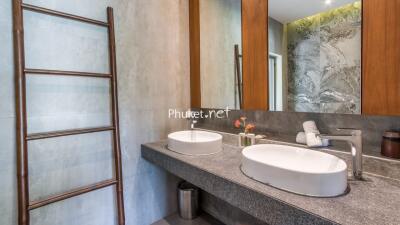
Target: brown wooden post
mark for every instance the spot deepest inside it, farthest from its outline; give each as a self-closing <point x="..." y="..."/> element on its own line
<point x="194" y="38"/>
<point x="115" y="118"/>
<point x="20" y="109"/>
<point x="255" y="54"/>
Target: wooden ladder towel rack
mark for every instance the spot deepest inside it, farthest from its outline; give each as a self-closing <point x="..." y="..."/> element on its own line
<point x="22" y="136"/>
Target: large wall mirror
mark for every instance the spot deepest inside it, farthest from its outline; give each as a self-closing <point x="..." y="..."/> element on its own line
<point x="315" y="56"/>
<point x="319" y="56"/>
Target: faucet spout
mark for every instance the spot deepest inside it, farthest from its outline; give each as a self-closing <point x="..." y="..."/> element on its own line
<point x="354" y="139"/>
<point x="192" y="123"/>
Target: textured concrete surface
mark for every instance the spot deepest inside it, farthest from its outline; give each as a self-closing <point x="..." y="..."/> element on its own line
<point x="174" y="219"/>
<point x="8" y="186"/>
<point x="373" y="201"/>
<point x="153" y="75"/>
<point x="225" y="212"/>
<point x="220" y="31"/>
<point x="275" y="37"/>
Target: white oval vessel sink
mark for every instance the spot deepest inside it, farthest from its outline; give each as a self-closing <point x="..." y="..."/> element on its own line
<point x="298" y="170"/>
<point x="195" y="142"/>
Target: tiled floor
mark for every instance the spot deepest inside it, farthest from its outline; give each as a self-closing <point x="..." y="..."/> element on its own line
<point x="203" y="219"/>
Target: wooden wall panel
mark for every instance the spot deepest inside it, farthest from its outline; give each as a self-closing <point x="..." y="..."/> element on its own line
<point x="194" y="29"/>
<point x="255" y="54"/>
<point x="381" y="57"/>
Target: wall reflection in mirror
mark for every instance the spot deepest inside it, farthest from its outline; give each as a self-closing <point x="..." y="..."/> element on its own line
<point x="220" y="69"/>
<point x="315" y="56"/>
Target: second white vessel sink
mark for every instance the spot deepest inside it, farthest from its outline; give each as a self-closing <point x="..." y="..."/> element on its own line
<point x="195" y="142"/>
<point x="298" y="170"/>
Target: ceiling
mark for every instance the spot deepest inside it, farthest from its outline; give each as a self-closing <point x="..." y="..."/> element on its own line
<point x="290" y="10"/>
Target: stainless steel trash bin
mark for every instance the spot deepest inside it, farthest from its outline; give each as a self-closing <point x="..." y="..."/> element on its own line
<point x="188" y="200"/>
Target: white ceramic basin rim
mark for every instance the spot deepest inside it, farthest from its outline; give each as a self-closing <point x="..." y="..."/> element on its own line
<point x="299" y="170"/>
<point x="195" y="142"/>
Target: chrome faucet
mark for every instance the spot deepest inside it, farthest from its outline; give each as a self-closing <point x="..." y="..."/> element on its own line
<point x="192" y="123"/>
<point x="192" y="133"/>
<point x="355" y="141"/>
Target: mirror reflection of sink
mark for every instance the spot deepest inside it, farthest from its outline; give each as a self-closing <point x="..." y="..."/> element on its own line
<point x="298" y="170"/>
<point x="195" y="142"/>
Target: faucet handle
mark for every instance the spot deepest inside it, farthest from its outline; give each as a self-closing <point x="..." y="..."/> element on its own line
<point x="353" y="131"/>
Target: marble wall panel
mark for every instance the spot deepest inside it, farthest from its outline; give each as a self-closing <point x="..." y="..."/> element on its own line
<point x="324" y="57"/>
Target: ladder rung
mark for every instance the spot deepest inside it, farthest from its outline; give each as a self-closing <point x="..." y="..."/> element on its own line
<point x="66" y="73"/>
<point x="70" y="194"/>
<point x="63" y="133"/>
<point x="62" y="14"/>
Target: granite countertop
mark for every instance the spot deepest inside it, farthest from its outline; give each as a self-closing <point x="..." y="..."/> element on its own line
<point x="202" y="219"/>
<point x="373" y="201"/>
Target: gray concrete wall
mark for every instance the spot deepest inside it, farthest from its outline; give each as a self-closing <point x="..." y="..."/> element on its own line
<point x="275" y="36"/>
<point x="153" y="75"/>
<point x="220" y="30"/>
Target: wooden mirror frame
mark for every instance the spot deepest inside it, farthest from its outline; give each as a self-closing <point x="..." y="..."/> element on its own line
<point x="381" y="57"/>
